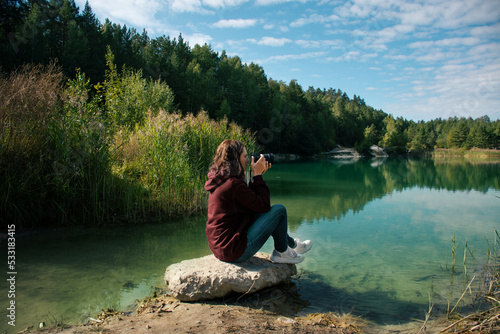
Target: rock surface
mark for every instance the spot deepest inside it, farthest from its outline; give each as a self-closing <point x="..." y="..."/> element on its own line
<point x="378" y="151"/>
<point x="209" y="278"/>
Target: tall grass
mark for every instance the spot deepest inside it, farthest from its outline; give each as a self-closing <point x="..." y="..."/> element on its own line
<point x="168" y="157"/>
<point x="76" y="154"/>
<point x="29" y="100"/>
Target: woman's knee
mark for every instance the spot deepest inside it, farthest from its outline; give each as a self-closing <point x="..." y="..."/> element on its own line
<point x="279" y="209"/>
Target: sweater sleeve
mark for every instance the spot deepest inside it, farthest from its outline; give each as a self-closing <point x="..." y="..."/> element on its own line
<point x="255" y="197"/>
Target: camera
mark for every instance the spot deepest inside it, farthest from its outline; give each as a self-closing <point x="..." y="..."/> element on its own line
<point x="268" y="156"/>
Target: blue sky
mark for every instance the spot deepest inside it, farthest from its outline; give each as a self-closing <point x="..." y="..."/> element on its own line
<point x="416" y="59"/>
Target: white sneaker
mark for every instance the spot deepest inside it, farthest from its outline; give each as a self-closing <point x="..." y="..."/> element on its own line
<point x="288" y="256"/>
<point x="302" y="247"/>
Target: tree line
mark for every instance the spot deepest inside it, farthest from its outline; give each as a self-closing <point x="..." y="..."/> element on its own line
<point x="285" y="117"/>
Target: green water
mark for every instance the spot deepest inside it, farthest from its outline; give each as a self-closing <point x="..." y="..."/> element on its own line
<point x="382" y="233"/>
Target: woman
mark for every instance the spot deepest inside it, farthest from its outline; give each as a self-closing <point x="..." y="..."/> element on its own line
<point x="240" y="216"/>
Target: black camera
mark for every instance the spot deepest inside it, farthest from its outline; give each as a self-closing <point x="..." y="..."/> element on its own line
<point x="268" y="156"/>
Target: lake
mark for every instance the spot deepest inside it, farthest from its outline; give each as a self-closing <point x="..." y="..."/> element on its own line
<point x="384" y="232"/>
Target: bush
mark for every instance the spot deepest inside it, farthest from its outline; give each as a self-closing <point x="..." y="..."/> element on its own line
<point x="64" y="160"/>
<point x="129" y="97"/>
<point x="169" y="157"/>
<point x="30" y="99"/>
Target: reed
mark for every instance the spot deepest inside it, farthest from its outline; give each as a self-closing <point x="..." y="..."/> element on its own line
<point x="169" y="157"/>
<point x="65" y="160"/>
<point x="29" y="100"/>
<point x="453" y="251"/>
<point x="486" y="320"/>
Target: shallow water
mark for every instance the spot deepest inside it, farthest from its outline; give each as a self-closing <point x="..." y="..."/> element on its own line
<point x="382" y="233"/>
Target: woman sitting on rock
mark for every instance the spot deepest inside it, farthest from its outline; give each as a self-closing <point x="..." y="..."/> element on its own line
<point x="240" y="216"/>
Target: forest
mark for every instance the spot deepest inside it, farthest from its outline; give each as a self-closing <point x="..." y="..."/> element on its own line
<point x="285" y="117"/>
<point x="99" y="122"/>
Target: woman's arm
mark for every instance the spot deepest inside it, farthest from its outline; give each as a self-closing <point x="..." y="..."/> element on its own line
<point x="256" y="197"/>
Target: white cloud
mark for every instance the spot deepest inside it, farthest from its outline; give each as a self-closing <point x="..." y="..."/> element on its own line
<point x="463" y="90"/>
<point x="198" y="38"/>
<point x="312" y="44"/>
<point x="223" y="3"/>
<point x="395" y="32"/>
<point x="346" y="56"/>
<point x="355" y="55"/>
<point x="182" y="6"/>
<point x="198" y="6"/>
<point x="314" y="18"/>
<point x="271" y="41"/>
<point x="277" y="58"/>
<point x="448" y="42"/>
<point x="396" y="57"/>
<point x="486" y="30"/>
<point x="275" y="2"/>
<point x="138" y="13"/>
<point x="436" y="56"/>
<point x="267" y="41"/>
<point x="485" y="51"/>
<point x="235" y="23"/>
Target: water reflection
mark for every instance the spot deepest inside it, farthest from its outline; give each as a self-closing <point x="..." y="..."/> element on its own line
<point x="68" y="276"/>
<point x="383" y="232"/>
<point x="334" y="188"/>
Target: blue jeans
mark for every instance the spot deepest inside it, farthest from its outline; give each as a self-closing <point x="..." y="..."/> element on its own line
<point x="272" y="223"/>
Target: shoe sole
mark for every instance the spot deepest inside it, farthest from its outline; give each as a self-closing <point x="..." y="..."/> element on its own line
<point x="287" y="261"/>
<point x="305" y="250"/>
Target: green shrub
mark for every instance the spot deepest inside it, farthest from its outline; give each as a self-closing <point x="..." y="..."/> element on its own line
<point x="65" y="160"/>
<point x="129" y="97"/>
<point x="29" y="101"/>
<point x="169" y="156"/>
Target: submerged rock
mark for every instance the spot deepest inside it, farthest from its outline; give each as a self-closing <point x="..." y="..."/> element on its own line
<point x="209" y="278"/>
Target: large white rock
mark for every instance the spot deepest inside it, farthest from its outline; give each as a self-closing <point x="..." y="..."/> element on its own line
<point x="209" y="278"/>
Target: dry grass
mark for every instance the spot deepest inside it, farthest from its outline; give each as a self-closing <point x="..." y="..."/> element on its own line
<point x="487" y="321"/>
<point x="64" y="161"/>
<point x="474" y="153"/>
<point x="346" y="322"/>
<point x="28" y="99"/>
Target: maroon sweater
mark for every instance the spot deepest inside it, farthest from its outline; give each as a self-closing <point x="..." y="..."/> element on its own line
<point x="232" y="205"/>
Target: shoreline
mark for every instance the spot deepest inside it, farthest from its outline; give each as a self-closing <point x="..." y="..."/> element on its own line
<point x="165" y="314"/>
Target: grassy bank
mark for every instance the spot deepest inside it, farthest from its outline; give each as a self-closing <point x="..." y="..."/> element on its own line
<point x="72" y="153"/>
<point x="473" y="153"/>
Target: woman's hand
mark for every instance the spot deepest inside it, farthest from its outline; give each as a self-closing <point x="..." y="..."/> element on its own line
<point x="259" y="167"/>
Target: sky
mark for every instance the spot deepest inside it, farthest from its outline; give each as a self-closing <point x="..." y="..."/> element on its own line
<point x="416" y="59"/>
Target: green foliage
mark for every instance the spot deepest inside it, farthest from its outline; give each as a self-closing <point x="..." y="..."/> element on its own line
<point x="79" y="141"/>
<point x="169" y="157"/>
<point x="395" y="137"/>
<point x="29" y="103"/>
<point x="457" y="136"/>
<point x="129" y="96"/>
<point x="78" y="165"/>
<point x="107" y="144"/>
<point x="139" y="73"/>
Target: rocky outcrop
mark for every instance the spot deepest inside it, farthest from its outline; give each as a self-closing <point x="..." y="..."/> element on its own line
<point x="342" y="153"/>
<point x="209" y="278"/>
<point x="378" y="152"/>
<point x="348" y="153"/>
